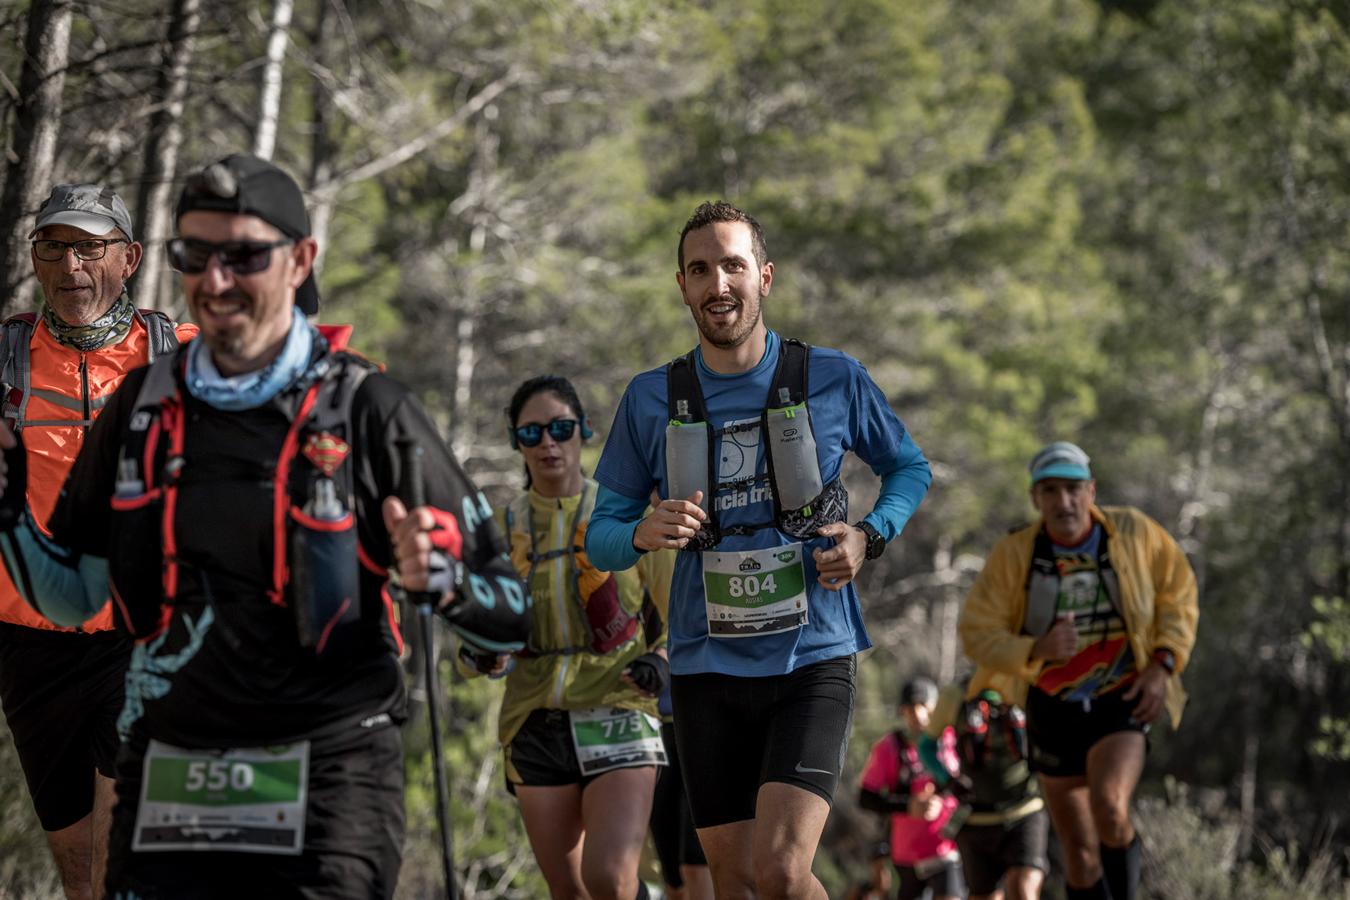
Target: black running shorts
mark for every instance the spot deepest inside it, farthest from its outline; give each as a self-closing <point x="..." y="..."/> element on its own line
<point x="62" y="692"/>
<point x="542" y="754"/>
<point x="1061" y="732"/>
<point x="736" y="734"/>
<point x="988" y="851"/>
<point x="673" y="831"/>
<point x="943" y="877"/>
<point x="353" y="833"/>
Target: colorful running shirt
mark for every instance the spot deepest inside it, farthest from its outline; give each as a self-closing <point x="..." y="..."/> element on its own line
<point x="848" y="413"/>
<point x="1104" y="660"/>
<point x="894" y="769"/>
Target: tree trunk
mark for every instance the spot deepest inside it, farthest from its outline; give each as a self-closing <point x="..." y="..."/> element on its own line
<point x="161" y="154"/>
<point x="949" y="641"/>
<point x="37" y="121"/>
<point x="323" y="148"/>
<point x="269" y="102"/>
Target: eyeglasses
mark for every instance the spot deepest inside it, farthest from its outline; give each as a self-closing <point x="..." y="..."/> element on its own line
<point x="533" y="434"/>
<point x="90" y="250"/>
<point x="191" y="256"/>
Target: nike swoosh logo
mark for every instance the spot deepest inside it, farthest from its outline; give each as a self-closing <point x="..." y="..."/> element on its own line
<point x="801" y="769"/>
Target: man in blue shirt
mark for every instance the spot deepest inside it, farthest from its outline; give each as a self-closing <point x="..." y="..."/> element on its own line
<point x="764" y="619"/>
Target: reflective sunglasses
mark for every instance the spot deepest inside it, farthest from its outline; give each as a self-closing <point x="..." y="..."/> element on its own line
<point x="88" y="250"/>
<point x="191" y="256"/>
<point x="533" y="434"/>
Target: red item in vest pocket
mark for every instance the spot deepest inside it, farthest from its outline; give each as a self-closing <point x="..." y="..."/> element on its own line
<point x="611" y="625"/>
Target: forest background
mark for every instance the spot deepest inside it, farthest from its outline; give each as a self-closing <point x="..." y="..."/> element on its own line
<point x="1120" y="222"/>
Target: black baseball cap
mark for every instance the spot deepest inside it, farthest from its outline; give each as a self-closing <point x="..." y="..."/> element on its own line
<point x="249" y="185"/>
<point x="919" y="690"/>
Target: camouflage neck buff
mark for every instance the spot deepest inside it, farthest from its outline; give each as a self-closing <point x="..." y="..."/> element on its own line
<point x="107" y="329"/>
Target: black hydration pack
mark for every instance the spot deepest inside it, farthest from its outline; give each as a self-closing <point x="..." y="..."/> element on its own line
<point x="991" y="742"/>
<point x="316" y="552"/>
<point x="801" y="503"/>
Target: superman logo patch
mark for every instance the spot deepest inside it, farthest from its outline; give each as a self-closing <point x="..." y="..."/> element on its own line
<point x="326" y="452"/>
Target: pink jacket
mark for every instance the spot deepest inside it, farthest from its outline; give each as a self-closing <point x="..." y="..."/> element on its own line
<point x="913" y="840"/>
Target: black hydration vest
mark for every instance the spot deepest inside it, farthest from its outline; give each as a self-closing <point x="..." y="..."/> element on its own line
<point x="801" y="503"/>
<point x="1043" y="584"/>
<point x="315" y="559"/>
<point x="991" y="741"/>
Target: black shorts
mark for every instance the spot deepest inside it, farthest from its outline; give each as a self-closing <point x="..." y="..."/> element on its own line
<point x="988" y="851"/>
<point x="944" y="880"/>
<point x="673" y="831"/>
<point x="736" y="734"/>
<point x="62" y="692"/>
<point x="542" y="753"/>
<point x="353" y="833"/>
<point x="1061" y="732"/>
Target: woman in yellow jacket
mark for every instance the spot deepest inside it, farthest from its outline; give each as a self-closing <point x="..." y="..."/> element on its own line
<point x="578" y="722"/>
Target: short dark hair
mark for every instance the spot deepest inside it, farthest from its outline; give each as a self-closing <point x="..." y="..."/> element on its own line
<point x="722" y="211"/>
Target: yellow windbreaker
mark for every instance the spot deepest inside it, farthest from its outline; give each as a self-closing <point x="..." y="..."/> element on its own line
<point x="558" y="670"/>
<point x="1157" y="593"/>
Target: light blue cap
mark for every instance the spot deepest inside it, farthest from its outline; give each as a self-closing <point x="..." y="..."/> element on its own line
<point x="1060" y="460"/>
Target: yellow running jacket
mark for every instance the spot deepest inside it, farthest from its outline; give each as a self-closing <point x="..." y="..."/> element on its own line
<point x="558" y="670"/>
<point x="1158" y="596"/>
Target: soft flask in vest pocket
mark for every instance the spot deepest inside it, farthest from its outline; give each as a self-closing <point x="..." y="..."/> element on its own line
<point x="792" y="453"/>
<point x="687" y="469"/>
<point x="611" y="625"/>
<point x="325" y="581"/>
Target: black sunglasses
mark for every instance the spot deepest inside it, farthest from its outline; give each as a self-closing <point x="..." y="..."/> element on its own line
<point x="191" y="256"/>
<point x="533" y="434"/>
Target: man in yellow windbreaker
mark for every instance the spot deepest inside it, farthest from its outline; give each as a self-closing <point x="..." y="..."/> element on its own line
<point x="1087" y="619"/>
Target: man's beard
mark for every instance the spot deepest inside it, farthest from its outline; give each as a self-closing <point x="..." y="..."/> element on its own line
<point x="730" y="336"/>
<point x="231" y="344"/>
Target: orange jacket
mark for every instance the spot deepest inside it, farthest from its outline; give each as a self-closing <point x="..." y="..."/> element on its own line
<point x="66" y="382"/>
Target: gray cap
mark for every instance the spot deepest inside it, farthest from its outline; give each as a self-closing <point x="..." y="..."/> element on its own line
<point x="88" y="207"/>
<point x="1060" y="460"/>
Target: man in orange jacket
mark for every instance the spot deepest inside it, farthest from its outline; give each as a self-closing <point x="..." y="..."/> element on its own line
<point x="61" y="689"/>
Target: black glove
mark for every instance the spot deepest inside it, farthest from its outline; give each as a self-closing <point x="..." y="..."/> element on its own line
<point x="650" y="672"/>
<point x="484" y="663"/>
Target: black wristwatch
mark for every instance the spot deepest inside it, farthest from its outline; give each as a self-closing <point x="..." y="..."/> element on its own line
<point x="1165" y="658"/>
<point x="876" y="544"/>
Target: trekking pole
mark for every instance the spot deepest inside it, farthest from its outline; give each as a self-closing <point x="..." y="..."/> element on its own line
<point x="414" y="495"/>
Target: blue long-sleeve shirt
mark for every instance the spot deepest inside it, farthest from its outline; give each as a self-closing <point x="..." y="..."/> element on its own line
<point x="849" y="413"/>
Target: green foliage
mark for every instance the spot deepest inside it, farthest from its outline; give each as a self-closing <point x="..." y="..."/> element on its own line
<point x="1190" y="854"/>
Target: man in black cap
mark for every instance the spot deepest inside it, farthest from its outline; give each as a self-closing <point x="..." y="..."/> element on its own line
<point x="240" y="497"/>
<point x="62" y="688"/>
